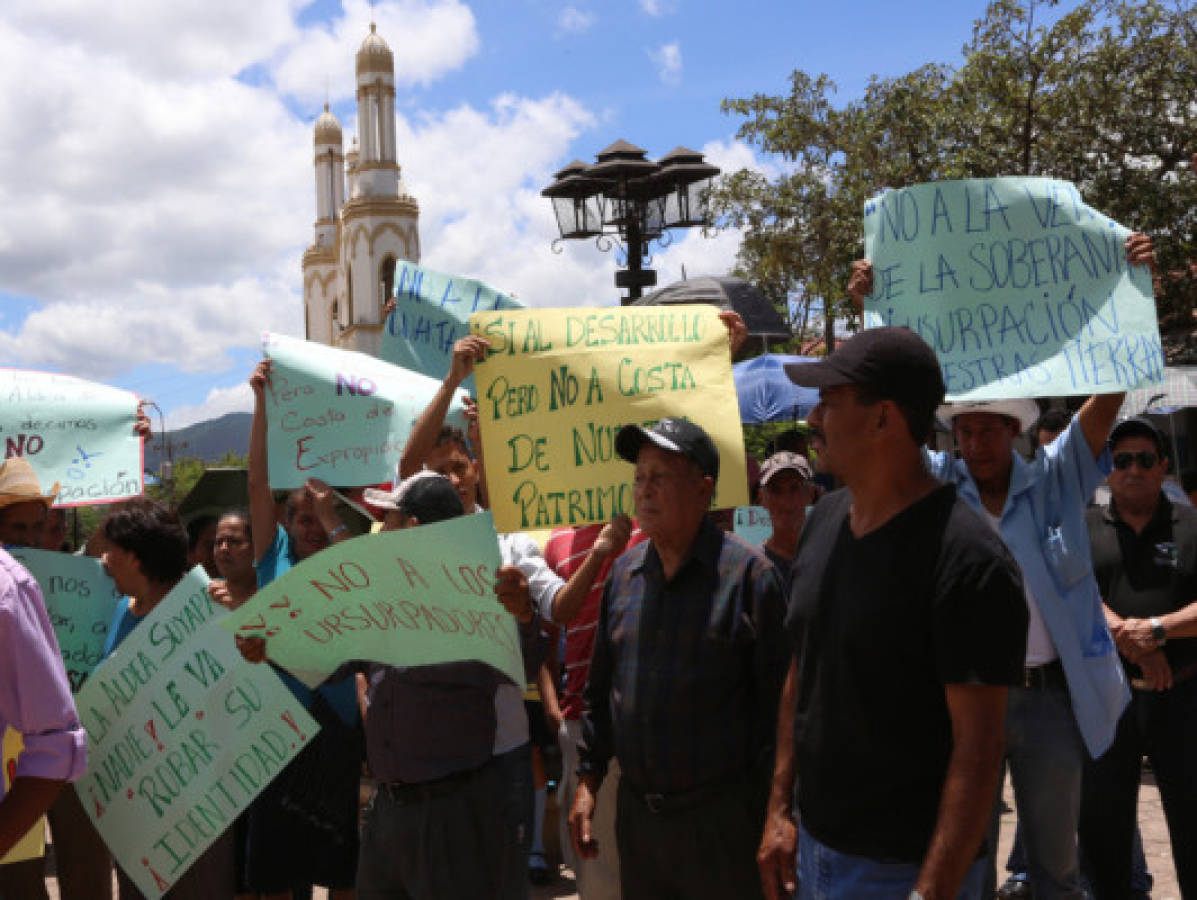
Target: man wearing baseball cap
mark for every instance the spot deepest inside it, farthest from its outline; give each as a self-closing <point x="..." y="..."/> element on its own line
<point x="1073" y="690"/>
<point x="688" y="660"/>
<point x="908" y="626"/>
<point x="785" y="492"/>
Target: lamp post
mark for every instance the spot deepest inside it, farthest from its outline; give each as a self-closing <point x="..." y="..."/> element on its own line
<point x="626" y="198"/>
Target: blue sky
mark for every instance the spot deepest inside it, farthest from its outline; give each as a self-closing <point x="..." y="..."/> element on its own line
<point x="158" y="199"/>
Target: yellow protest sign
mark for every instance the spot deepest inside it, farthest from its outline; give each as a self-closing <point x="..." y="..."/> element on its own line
<point x="33" y="844"/>
<point x="557" y="386"/>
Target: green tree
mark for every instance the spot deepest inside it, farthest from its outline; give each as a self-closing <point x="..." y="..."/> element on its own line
<point x="1103" y="94"/>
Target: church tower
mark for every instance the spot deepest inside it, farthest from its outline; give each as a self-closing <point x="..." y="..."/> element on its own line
<point x="350" y="270"/>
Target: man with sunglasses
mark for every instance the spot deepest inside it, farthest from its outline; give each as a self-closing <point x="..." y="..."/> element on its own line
<point x="1145" y="560"/>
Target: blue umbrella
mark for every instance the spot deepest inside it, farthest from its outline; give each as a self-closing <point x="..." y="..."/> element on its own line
<point x="766" y="393"/>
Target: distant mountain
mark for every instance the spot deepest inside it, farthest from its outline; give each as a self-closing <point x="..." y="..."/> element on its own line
<point x="208" y="440"/>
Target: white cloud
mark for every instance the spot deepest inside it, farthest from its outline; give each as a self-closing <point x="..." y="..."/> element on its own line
<point x="219" y="402"/>
<point x="573" y="20"/>
<point x="668" y="60"/>
<point x="658" y="8"/>
<point x="427" y="37"/>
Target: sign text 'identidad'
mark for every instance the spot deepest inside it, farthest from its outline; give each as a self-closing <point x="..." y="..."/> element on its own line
<point x="182" y="733"/>
<point x="558" y="384"/>
<point x="1021" y="288"/>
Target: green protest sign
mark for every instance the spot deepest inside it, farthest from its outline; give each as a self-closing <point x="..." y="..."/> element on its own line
<point x="432" y="310"/>
<point x="339" y="415"/>
<point x="73" y="432"/>
<point x="408" y="598"/>
<point x="182" y="733"/>
<point x="752" y="523"/>
<point x="80" y="598"/>
<point x="1021" y="289"/>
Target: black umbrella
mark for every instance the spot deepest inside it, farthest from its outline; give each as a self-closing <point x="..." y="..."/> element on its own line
<point x="760" y="316"/>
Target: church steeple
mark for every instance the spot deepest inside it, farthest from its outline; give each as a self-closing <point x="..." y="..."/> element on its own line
<point x="330" y="176"/>
<point x="377" y="164"/>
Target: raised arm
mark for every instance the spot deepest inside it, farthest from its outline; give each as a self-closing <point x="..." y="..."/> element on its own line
<point x="261" y="501"/>
<point x="568" y="601"/>
<point x="978" y="715"/>
<point x="466" y="352"/>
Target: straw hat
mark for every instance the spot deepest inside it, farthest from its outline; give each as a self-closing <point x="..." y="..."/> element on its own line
<point x="18" y="484"/>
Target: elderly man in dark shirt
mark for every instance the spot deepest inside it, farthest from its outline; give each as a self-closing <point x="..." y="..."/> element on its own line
<point x="688" y="661"/>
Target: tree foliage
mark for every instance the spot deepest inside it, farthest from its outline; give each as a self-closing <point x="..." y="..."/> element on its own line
<point x="1102" y="93"/>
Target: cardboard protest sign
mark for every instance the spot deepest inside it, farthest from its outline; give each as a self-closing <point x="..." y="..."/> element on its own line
<point x="558" y="385"/>
<point x="1021" y="289"/>
<point x="74" y="432"/>
<point x="408" y="598"/>
<point x="182" y="733"/>
<point x="432" y="310"/>
<point x="752" y="523"/>
<point x="81" y="599"/>
<point x="339" y="415"/>
<point x="33" y="844"/>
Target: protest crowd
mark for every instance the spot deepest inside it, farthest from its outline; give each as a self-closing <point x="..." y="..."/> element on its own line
<point x="829" y="711"/>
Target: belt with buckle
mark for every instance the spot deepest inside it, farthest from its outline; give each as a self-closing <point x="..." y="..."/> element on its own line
<point x="412" y="791"/>
<point x="1048" y="675"/>
<point x="658" y="802"/>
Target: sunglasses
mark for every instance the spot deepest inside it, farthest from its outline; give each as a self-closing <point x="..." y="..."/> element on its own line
<point x="1143" y="458"/>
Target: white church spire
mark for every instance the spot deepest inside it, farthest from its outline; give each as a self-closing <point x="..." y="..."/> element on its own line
<point x="377" y="162"/>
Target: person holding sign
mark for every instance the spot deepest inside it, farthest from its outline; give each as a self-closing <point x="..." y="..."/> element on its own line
<point x="83" y="862"/>
<point x="284" y="850"/>
<point x="688" y="660"/>
<point x="908" y="625"/>
<point x="35" y="700"/>
<point x="146" y="555"/>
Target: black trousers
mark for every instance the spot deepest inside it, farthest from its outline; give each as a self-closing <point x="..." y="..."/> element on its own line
<point x="1162" y="727"/>
<point x="705" y="851"/>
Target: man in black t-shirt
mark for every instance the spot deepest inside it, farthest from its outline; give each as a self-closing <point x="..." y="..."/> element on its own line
<point x="1145" y="560"/>
<point x="908" y="619"/>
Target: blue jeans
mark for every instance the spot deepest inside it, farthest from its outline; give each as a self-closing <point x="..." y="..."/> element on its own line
<point x="1141" y="879"/>
<point x="826" y="874"/>
<point x="1046" y="755"/>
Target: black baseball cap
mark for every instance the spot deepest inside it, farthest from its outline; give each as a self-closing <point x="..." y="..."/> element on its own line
<point x="675" y="435"/>
<point x="894" y="362"/>
<point x="1139" y="426"/>
<point x="430" y="498"/>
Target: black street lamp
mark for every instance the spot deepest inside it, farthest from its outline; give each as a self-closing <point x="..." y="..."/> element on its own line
<point x="633" y="200"/>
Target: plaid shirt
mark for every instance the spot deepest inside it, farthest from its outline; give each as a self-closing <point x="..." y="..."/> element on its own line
<point x="686" y="673"/>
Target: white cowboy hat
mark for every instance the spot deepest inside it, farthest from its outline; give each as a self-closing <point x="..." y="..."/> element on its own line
<point x="1024" y="411"/>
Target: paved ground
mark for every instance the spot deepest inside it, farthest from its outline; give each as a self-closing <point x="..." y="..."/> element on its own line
<point x="1151" y="820"/>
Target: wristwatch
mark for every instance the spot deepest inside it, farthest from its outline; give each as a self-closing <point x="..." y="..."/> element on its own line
<point x="1158" y="631"/>
<point x="915" y="895"/>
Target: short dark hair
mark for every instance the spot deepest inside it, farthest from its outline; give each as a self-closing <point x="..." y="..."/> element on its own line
<point x="919" y="419"/>
<point x="1054" y="419"/>
<point x="196" y="528"/>
<point x="151" y="531"/>
<point x="241" y="514"/>
<point x="450" y="435"/>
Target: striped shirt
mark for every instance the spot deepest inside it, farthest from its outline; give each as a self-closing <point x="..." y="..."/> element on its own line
<point x="565" y="552"/>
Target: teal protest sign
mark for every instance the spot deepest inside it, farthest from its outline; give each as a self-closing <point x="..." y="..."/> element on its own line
<point x="432" y="310"/>
<point x="1021" y="288"/>
<point x="408" y="598"/>
<point x="752" y="523"/>
<point x="182" y="733"/>
<point x="81" y="599"/>
<point x="339" y="415"/>
<point x="73" y="432"/>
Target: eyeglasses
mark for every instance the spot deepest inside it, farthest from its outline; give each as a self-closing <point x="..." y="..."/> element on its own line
<point x="1143" y="458"/>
